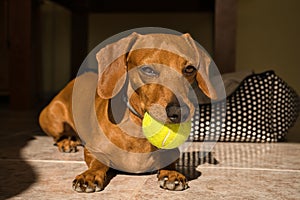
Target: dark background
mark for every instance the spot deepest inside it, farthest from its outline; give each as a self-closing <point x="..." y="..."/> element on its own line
<point x="43" y="42"/>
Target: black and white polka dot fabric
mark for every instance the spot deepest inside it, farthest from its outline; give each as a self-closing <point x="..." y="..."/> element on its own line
<point x="261" y="109"/>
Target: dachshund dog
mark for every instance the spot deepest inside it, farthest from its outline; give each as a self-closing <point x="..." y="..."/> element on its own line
<point x="154" y="72"/>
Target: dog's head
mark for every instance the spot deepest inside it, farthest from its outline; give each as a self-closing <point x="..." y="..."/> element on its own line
<point x="160" y="69"/>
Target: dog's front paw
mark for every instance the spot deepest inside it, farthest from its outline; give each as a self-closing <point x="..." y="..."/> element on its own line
<point x="89" y="181"/>
<point x="172" y="180"/>
<point x="68" y="144"/>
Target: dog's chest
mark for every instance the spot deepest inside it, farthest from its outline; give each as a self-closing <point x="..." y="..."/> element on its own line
<point x="137" y="162"/>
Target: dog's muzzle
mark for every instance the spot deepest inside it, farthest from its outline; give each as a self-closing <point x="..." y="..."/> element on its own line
<point x="177" y="113"/>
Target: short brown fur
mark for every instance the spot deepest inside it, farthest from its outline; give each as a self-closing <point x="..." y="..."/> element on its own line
<point x="57" y="119"/>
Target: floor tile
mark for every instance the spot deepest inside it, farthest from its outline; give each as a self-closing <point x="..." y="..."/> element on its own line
<point x="32" y="168"/>
<point x="248" y="155"/>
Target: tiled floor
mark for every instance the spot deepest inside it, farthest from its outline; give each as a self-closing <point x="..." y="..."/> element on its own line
<point x="32" y="168"/>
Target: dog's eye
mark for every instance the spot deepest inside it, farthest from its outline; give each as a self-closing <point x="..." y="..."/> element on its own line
<point x="149" y="71"/>
<point x="189" y="70"/>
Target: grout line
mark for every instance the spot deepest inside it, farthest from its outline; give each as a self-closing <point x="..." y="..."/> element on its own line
<point x="251" y="169"/>
<point x="199" y="167"/>
<point x="138" y="189"/>
<point x="45" y="161"/>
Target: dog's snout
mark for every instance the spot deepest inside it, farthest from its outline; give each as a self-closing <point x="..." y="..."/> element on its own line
<point x="177" y="113"/>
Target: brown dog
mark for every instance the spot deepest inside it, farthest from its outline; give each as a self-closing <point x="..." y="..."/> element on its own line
<point x="155" y="72"/>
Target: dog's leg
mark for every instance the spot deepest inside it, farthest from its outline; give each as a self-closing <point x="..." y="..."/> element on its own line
<point x="93" y="179"/>
<point x="170" y="179"/>
<point x="52" y="121"/>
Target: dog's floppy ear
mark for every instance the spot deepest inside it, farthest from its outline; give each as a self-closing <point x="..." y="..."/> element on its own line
<point x="202" y="77"/>
<point x="112" y="66"/>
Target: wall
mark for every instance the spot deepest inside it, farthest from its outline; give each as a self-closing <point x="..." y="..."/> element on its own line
<point x="56" y="44"/>
<point x="56" y="25"/>
<point x="199" y="25"/>
<point x="268" y="38"/>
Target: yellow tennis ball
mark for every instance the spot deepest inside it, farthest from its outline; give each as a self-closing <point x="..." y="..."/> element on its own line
<point x="165" y="136"/>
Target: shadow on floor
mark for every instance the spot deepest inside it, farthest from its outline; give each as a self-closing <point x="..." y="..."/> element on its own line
<point x="186" y="165"/>
<point x="189" y="161"/>
<point x="16" y="174"/>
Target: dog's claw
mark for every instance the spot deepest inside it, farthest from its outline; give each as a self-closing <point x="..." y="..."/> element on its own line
<point x="68" y="145"/>
<point x="78" y="186"/>
<point x="176" y="185"/>
<point x="88" y="182"/>
<point x="172" y="181"/>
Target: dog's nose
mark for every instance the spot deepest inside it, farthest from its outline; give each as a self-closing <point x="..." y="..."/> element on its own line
<point x="177" y="113"/>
